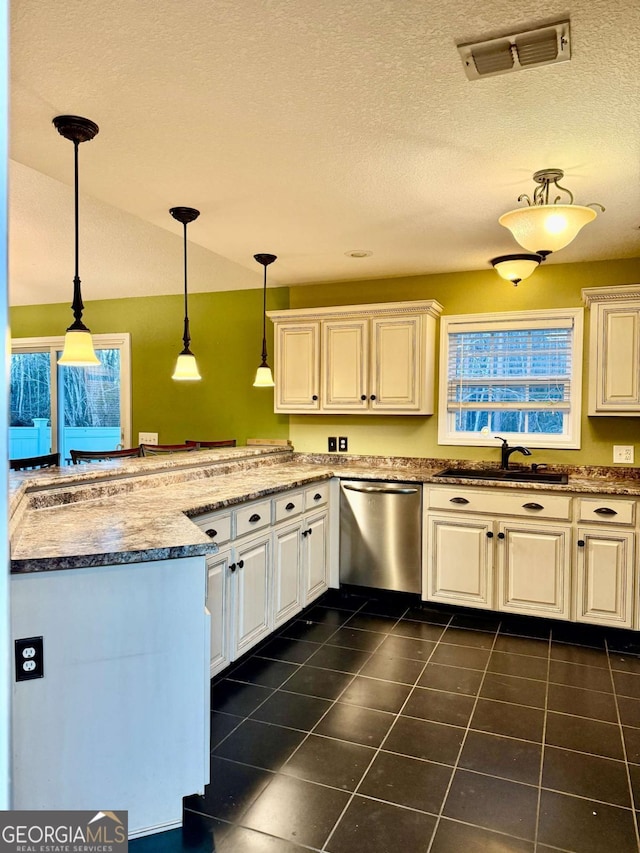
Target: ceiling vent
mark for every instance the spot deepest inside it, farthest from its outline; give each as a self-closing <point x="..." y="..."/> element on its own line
<point x="544" y="46"/>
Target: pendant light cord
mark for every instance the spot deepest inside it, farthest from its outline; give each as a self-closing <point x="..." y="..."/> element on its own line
<point x="264" y="317"/>
<point x="186" y="338"/>
<point x="77" y="305"/>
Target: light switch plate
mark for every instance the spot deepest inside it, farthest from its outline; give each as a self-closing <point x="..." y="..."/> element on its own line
<point x="623" y="453"/>
<point x="147" y="438"/>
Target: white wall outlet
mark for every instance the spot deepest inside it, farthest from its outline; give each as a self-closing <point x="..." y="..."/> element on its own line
<point x="623" y="453"/>
<point x="147" y="438"/>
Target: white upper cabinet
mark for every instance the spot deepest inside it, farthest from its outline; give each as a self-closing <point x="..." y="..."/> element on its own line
<point x="614" y="350"/>
<point x="376" y="358"/>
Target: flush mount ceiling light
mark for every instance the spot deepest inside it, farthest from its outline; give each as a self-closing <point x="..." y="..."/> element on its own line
<point x="186" y="366"/>
<point x="264" y="377"/>
<point x="545" y="226"/>
<point x="516" y="268"/>
<point x="78" y="346"/>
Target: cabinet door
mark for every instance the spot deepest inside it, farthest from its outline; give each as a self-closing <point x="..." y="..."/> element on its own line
<point x="617" y="359"/>
<point x="534" y="569"/>
<point x="604" y="593"/>
<point x="396" y="364"/>
<point x="315" y="555"/>
<point x="251" y="603"/>
<point x="297" y="367"/>
<point x="287" y="591"/>
<point x="217" y="598"/>
<point x="459" y="561"/>
<point x="345" y="379"/>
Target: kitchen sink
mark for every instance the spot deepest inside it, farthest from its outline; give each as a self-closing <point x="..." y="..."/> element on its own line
<point x="511" y="474"/>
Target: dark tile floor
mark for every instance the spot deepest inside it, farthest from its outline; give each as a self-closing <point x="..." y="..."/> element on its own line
<point x="374" y="723"/>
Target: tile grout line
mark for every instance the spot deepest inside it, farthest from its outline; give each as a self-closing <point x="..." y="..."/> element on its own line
<point x="543" y="744"/>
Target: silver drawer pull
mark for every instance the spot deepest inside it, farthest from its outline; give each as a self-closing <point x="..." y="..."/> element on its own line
<point x="253" y="518"/>
<point x="605" y="510"/>
<point x="290" y="506"/>
<point x="532" y="505"/>
<point x="458" y="501"/>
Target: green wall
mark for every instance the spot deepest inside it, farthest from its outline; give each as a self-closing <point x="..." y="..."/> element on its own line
<point x="551" y="286"/>
<point x="226" y="333"/>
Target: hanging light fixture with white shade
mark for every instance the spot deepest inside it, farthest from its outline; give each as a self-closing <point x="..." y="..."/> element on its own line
<point x="546" y="226"/>
<point x="186" y="365"/>
<point x="78" y="345"/>
<point x="515" y="268"/>
<point x="264" y="377"/>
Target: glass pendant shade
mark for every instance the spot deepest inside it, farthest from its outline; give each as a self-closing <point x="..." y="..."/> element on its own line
<point x="78" y="349"/>
<point x="264" y="377"/>
<point x="186" y="368"/>
<point x="515" y="268"/>
<point x="546" y="227"/>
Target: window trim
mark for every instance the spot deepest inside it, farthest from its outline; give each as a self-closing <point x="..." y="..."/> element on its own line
<point x="116" y="340"/>
<point x="514" y="319"/>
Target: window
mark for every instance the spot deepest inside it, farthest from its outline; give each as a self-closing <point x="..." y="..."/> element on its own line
<point x="517" y="375"/>
<point x="60" y="408"/>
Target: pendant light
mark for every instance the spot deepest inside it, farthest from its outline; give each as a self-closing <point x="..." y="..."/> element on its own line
<point x="543" y="226"/>
<point x="264" y="377"/>
<point x="78" y="345"/>
<point x="186" y="366"/>
<point x="515" y="268"/>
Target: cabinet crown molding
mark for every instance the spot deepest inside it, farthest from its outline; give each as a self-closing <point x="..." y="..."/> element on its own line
<point x="374" y="309"/>
<point x="610" y="294"/>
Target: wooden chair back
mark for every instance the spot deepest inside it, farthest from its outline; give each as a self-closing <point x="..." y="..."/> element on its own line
<point x="48" y="460"/>
<point x="78" y="456"/>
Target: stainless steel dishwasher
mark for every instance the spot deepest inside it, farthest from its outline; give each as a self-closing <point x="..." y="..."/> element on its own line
<point x="380" y="534"/>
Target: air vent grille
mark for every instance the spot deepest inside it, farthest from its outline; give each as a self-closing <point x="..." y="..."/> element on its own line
<point x="530" y="49"/>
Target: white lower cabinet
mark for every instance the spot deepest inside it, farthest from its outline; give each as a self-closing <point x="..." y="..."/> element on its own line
<point x="315" y="555"/>
<point x="287" y="575"/>
<point x="250" y="594"/>
<point x="217" y="597"/>
<point x="459" y="561"/>
<point x="605" y="562"/>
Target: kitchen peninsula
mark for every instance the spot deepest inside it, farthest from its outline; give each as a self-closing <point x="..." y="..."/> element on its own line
<point x="121" y="585"/>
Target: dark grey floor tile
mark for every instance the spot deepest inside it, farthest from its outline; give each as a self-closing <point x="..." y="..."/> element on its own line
<point x="292" y="710"/>
<point x="634" y="775"/>
<point x="580" y="654"/>
<point x="260" y="744"/>
<point x="632" y="744"/>
<point x="522" y="646"/>
<point x="576" y="824"/>
<point x="407" y="647"/>
<point x="311" y="681"/>
<point x="221" y="726"/>
<point x="627" y="684"/>
<point x="425" y="739"/>
<point x="510" y="688"/>
<point x="625" y="662"/>
<point x="233" y="697"/>
<point x="511" y="720"/>
<point x="465" y="637"/>
<point x="266" y="673"/>
<point x="376" y="694"/>
<point x="327" y="616"/>
<point x="242" y="840"/>
<point x="523" y="666"/>
<point x="586" y="703"/>
<point x="369" y="825"/>
<point x="388" y="606"/>
<point x="389" y="668"/>
<point x="284" y="648"/>
<point x="330" y="762"/>
<point x="575" y="675"/>
<point x="452" y="708"/>
<point x="463" y="656"/>
<point x="357" y="725"/>
<point x="370" y="622"/>
<point x="406" y="782"/>
<point x="232" y="789"/>
<point x="343" y="599"/>
<point x="629" y="711"/>
<point x="496" y="804"/>
<point x="583" y="735"/>
<point x="453" y="679"/>
<point x="426" y="613"/>
<point x="198" y="834"/>
<point x="296" y="810"/>
<point x="339" y="658"/>
<point x="454" y="837"/>
<point x="589" y="776"/>
<point x="356" y="638"/>
<point x="313" y="632"/>
<point x="417" y="630"/>
<point x="508" y="758"/>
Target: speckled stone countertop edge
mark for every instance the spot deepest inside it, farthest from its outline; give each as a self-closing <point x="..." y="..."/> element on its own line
<point x="115" y="558"/>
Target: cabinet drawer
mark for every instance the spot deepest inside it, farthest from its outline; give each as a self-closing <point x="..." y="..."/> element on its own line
<point x="253" y="517"/>
<point x="606" y="510"/>
<point x="288" y="506"/>
<point x="495" y="502"/>
<point x="217" y="527"/>
<point x="317" y="495"/>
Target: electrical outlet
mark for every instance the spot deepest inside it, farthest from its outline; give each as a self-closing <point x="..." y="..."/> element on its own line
<point x="623" y="453"/>
<point x="29" y="657"/>
<point x="343" y="444"/>
<point x="147" y="438"/>
<point x="332" y="443"/>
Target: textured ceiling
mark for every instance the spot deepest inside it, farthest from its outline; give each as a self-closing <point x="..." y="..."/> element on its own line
<point x="306" y="129"/>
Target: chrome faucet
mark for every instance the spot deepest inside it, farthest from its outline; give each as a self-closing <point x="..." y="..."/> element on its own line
<point x="506" y="452"/>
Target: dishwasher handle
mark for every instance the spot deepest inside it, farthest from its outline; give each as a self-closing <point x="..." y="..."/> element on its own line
<point x="384" y="490"/>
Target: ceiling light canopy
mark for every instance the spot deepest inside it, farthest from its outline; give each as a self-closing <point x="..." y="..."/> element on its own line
<point x="264" y="377"/>
<point x="516" y="268"/>
<point x="186" y="365"/>
<point x="545" y="226"/>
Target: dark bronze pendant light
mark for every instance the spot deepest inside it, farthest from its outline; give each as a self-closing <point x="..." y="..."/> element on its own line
<point x="186" y="366"/>
<point x="264" y="377"/>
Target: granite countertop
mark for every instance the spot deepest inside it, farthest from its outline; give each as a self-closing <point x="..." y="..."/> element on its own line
<point x="134" y="510"/>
